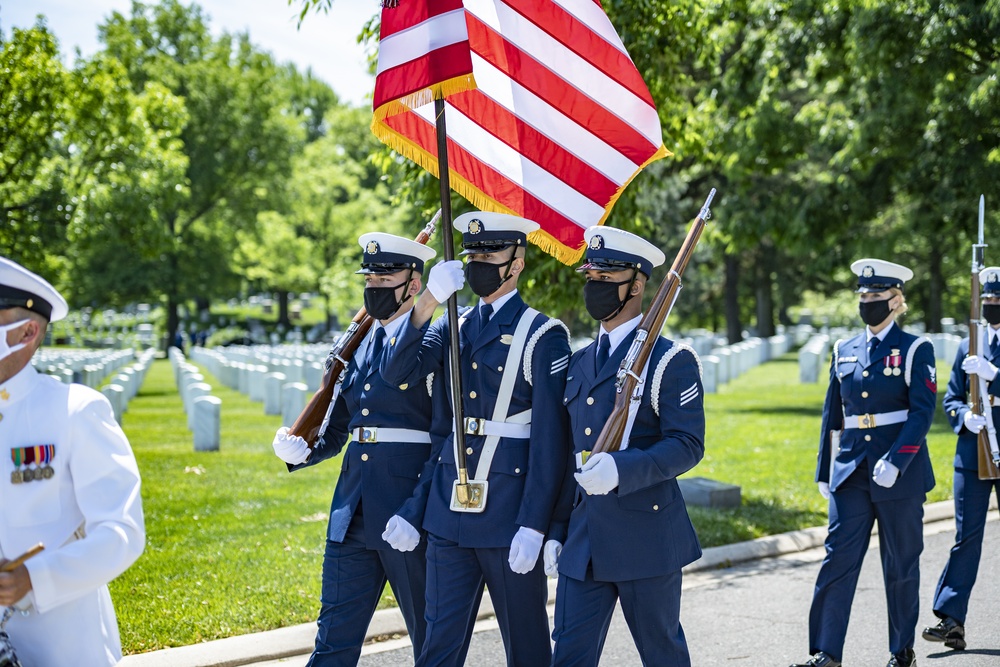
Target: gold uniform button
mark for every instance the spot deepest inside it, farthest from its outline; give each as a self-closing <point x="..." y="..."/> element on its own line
<point x="472" y="394"/>
<point x="864" y="394"/>
<point x="364" y="457"/>
<point x="868" y="438"/>
<point x="590" y="400"/>
<point x="367" y="387"/>
<point x="468" y="450"/>
<point x="586" y="431"/>
<point x="1" y="418"/>
<point x="364" y="412"/>
<point x="656" y="508"/>
<point x="864" y="374"/>
<point x="474" y="365"/>
<point x="953" y="413"/>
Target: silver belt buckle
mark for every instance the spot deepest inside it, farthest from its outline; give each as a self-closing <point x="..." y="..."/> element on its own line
<point x="473" y="426"/>
<point x="368" y="435"/>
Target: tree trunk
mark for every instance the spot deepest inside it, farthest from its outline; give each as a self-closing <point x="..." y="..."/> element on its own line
<point x="172" y="322"/>
<point x="734" y="328"/>
<point x="283" y="309"/>
<point x="764" y="289"/>
<point x="932" y="318"/>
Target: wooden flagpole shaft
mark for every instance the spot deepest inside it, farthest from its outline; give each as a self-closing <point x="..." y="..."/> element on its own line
<point x="448" y="241"/>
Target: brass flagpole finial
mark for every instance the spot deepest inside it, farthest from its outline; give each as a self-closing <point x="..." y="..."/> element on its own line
<point x="389" y="4"/>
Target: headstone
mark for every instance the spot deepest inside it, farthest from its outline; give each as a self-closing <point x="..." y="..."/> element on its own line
<point x="272" y="393"/>
<point x="256" y="374"/>
<point x="705" y="492"/>
<point x="294" y="396"/>
<point x="115" y="395"/>
<point x="710" y="364"/>
<point x="207" y="411"/>
<point x="195" y="391"/>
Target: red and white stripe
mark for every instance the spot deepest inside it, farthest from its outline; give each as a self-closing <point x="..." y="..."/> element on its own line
<point x="559" y="123"/>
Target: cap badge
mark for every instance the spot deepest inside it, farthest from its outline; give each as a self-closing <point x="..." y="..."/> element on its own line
<point x="992" y="277"/>
<point x="867" y="272"/>
<point x="371" y="248"/>
<point x="596" y="242"/>
<point x="475" y="226"/>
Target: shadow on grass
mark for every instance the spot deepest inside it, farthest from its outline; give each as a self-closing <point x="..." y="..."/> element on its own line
<point x="801" y="411"/>
<point x="756" y="517"/>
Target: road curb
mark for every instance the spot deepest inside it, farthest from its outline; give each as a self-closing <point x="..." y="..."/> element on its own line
<point x="298" y="639"/>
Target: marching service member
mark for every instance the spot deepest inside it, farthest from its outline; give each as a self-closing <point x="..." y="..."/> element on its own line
<point x="874" y="466"/>
<point x="70" y="482"/>
<point x="390" y="426"/>
<point x="629" y="533"/>
<point x="513" y="371"/>
<point x="972" y="495"/>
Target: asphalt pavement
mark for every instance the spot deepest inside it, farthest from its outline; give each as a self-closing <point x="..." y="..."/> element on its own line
<point x="753" y="613"/>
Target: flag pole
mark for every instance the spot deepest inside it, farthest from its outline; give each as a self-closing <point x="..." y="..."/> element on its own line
<point x="462" y="489"/>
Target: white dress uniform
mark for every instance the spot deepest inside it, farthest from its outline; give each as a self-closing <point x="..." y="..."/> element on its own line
<point x="86" y="510"/>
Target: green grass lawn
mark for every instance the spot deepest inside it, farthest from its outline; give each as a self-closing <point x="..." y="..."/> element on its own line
<point x="235" y="543"/>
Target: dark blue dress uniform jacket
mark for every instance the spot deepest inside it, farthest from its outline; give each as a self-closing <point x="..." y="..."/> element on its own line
<point x="858" y="386"/>
<point x="525" y="475"/>
<point x="956" y="404"/>
<point x="641" y="529"/>
<point x="386" y="474"/>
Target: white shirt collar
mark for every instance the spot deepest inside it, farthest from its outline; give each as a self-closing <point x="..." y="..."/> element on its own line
<point x="619" y="333"/>
<point x="880" y="335"/>
<point x="498" y="304"/>
<point x="991" y="334"/>
<point x="392" y="328"/>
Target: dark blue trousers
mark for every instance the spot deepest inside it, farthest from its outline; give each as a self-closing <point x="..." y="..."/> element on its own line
<point x="901" y="539"/>
<point x="353" y="579"/>
<point x="972" y="500"/>
<point x="651" y="608"/>
<point x="455" y="578"/>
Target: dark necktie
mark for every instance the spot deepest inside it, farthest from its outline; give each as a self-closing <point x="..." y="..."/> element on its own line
<point x="603" y="350"/>
<point x="994" y="347"/>
<point x="872" y="344"/>
<point x="485" y="311"/>
<point x="375" y="350"/>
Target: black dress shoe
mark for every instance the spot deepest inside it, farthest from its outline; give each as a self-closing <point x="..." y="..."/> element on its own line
<point x="949" y="631"/>
<point x="905" y="658"/>
<point x="821" y="659"/>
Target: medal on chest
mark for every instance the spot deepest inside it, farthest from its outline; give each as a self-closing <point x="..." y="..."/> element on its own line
<point x="32" y="463"/>
<point x="893" y="363"/>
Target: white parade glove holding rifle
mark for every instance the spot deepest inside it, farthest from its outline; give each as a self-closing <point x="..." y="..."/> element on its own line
<point x="290" y="448"/>
<point x="974" y="422"/>
<point x="978" y="365"/>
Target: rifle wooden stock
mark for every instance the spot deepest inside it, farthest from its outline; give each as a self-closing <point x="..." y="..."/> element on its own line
<point x="610" y="439"/>
<point x="977" y="402"/>
<point x="308" y="423"/>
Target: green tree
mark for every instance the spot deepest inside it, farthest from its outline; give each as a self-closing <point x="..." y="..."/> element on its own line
<point x="238" y="140"/>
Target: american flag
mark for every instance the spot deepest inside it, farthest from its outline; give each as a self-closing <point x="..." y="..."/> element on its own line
<point x="547" y="116"/>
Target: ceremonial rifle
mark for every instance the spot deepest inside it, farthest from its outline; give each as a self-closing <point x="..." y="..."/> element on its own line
<point x="610" y="439"/>
<point x="989" y="465"/>
<point x="311" y="424"/>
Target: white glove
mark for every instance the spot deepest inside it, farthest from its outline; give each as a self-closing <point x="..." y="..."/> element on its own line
<point x="599" y="475"/>
<point x="445" y="279"/>
<point x="824" y="490"/>
<point x="550" y="556"/>
<point x="524" y="550"/>
<point x="974" y="422"/>
<point x="400" y="535"/>
<point x="290" y="448"/>
<point x="977" y="365"/>
<point x="885" y="473"/>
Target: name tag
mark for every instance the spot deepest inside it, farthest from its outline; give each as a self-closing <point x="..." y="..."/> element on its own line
<point x="839" y="359"/>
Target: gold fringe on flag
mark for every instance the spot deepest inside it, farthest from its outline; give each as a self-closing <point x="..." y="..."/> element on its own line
<point x="415" y="100"/>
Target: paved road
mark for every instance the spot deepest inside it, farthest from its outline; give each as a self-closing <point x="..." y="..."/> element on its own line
<point x="755" y="615"/>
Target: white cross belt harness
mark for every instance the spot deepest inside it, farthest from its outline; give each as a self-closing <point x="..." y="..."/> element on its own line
<point x="373" y="434"/>
<point x="875" y="420"/>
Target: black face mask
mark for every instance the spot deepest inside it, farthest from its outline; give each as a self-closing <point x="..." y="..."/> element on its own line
<point x="874" y="313"/>
<point x="601" y="298"/>
<point x="484" y="278"/>
<point x="381" y="302"/>
<point x="991" y="312"/>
